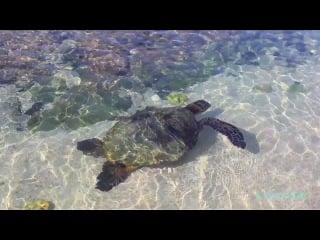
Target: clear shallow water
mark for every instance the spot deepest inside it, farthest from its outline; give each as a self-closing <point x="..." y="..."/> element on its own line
<point x="266" y="83"/>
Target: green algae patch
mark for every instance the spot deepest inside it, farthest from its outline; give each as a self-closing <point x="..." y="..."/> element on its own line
<point x="39" y="204"/>
<point x="177" y="98"/>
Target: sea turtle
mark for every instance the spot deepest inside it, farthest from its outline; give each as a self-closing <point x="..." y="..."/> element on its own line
<point x="150" y="137"/>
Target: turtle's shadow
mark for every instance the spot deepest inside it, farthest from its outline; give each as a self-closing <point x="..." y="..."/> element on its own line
<point x="207" y="138"/>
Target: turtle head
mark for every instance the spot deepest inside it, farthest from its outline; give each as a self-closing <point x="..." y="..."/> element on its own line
<point x="198" y="106"/>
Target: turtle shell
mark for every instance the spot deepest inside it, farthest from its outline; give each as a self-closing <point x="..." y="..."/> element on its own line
<point x="151" y="136"/>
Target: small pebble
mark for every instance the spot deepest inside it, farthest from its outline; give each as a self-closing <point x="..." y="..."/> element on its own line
<point x="155" y="98"/>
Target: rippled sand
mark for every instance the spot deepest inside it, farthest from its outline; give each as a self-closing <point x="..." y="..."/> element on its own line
<point x="282" y="130"/>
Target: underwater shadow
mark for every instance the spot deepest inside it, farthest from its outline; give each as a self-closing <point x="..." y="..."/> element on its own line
<point x="249" y="137"/>
<point x="251" y="141"/>
<point x="207" y="138"/>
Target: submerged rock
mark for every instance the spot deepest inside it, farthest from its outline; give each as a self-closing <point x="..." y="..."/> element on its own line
<point x="35" y="108"/>
<point x="66" y="78"/>
<point x="263" y="87"/>
<point x="68" y="69"/>
<point x="296" y="87"/>
<point x="75" y="107"/>
<point x="250" y="57"/>
<point x="99" y="64"/>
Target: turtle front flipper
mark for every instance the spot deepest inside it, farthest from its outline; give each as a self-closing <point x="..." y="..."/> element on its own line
<point x="92" y="147"/>
<point x="232" y="132"/>
<point x="198" y="106"/>
<point x="112" y="175"/>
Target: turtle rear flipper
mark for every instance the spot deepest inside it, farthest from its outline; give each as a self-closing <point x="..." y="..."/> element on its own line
<point x="232" y="132"/>
<point x="112" y="175"/>
<point x="198" y="106"/>
<point x="92" y="147"/>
